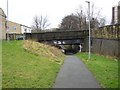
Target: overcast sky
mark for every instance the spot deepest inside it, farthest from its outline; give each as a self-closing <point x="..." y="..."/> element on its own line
<point x="23" y="11"/>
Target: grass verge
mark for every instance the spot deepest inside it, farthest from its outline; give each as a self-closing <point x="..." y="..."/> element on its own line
<point x="22" y="69"/>
<point x="0" y="64"/>
<point x="105" y="70"/>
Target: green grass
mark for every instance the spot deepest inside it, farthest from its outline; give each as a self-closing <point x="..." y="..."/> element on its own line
<point x="24" y="70"/>
<point x="105" y="70"/>
<point x="0" y="64"/>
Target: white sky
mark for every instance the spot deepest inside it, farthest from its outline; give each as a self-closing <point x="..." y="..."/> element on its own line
<point x="23" y="11"/>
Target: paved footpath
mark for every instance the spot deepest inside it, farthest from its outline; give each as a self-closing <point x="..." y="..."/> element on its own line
<point x="74" y="74"/>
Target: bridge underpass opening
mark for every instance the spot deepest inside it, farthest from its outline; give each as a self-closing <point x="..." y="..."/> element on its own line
<point x="70" y="49"/>
<point x="66" y="46"/>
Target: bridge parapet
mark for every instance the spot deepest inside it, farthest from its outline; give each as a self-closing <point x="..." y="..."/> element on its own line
<point x="57" y="35"/>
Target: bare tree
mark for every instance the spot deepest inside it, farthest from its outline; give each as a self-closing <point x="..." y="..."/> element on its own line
<point x="78" y="21"/>
<point x="40" y="23"/>
<point x="102" y="22"/>
<point x="96" y="19"/>
<point x="82" y="18"/>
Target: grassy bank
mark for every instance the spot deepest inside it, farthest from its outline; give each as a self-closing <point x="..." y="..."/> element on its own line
<point x="23" y="69"/>
<point x="0" y="64"/>
<point x="104" y="69"/>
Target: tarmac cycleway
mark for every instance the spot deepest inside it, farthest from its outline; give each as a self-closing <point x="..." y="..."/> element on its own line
<point x="74" y="74"/>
